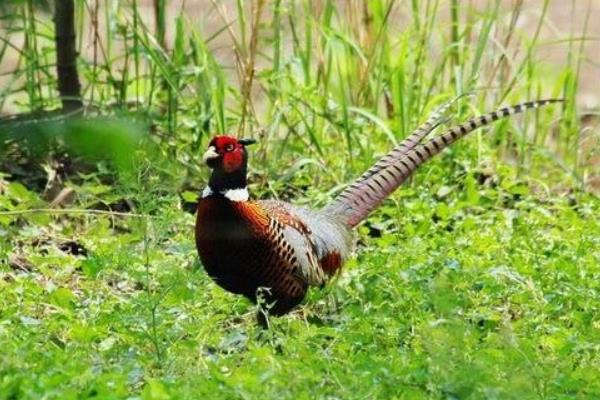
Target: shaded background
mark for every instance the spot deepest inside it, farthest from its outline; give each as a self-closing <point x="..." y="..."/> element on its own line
<point x="564" y="19"/>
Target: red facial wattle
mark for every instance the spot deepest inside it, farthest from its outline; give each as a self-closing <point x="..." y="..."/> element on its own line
<point x="233" y="159"/>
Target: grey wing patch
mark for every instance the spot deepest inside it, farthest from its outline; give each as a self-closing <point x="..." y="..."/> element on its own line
<point x="294" y="246"/>
<point x="326" y="233"/>
<point x="310" y="236"/>
<point x="307" y="264"/>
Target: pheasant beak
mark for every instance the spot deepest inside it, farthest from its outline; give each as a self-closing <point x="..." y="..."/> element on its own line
<point x="210" y="154"/>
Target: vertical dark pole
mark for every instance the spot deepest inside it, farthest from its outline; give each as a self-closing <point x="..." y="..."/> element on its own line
<point x="160" y="7"/>
<point x="66" y="55"/>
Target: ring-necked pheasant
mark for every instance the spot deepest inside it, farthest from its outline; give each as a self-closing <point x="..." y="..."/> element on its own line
<point x="280" y="249"/>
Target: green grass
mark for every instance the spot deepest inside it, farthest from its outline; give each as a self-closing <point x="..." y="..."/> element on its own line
<point x="485" y="293"/>
<point x="477" y="279"/>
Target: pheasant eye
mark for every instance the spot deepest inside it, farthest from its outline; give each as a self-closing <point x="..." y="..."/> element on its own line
<point x="229" y="147"/>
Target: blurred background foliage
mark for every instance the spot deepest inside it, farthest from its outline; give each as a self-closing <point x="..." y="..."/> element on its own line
<point x="304" y="76"/>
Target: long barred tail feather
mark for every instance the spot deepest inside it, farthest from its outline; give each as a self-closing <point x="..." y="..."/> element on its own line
<point x="435" y="119"/>
<point x="355" y="202"/>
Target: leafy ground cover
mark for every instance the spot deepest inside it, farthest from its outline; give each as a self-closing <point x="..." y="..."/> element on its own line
<point x="455" y="292"/>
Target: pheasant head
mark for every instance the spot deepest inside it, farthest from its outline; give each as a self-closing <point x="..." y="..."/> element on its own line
<point x="228" y="159"/>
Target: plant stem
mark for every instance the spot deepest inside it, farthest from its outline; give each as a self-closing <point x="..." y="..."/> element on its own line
<point x="69" y="87"/>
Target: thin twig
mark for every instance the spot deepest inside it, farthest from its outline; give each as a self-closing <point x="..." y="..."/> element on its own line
<point x="250" y="62"/>
<point x="71" y="211"/>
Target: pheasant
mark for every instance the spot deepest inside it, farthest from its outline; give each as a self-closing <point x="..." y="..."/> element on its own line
<point x="274" y="251"/>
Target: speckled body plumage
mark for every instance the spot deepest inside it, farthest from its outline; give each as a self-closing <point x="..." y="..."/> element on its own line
<point x="245" y="246"/>
<point x="277" y="250"/>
